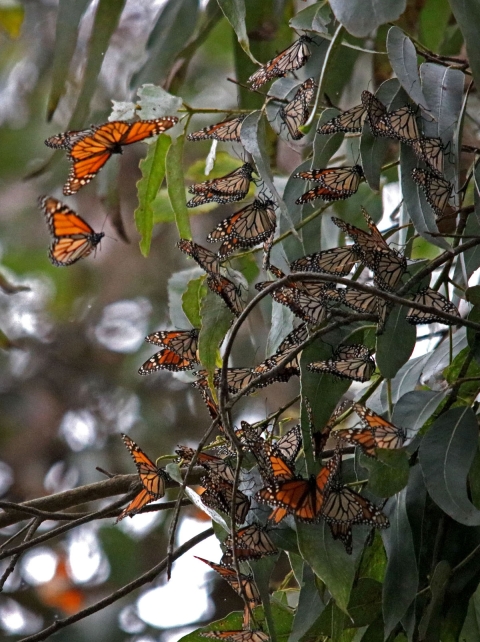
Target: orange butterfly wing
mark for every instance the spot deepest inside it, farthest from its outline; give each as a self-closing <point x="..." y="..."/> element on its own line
<point x="73" y="238"/>
<point x="142" y="499"/>
<point x="90" y="152"/>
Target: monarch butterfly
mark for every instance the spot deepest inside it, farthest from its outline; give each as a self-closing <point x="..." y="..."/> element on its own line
<point x="286" y="449"/>
<point x="226" y="290"/>
<point x="290" y="59"/>
<point x="365" y="302"/>
<point x="349" y="121"/>
<point x="344" y="506"/>
<point x="226" y="189"/>
<point x="237" y="636"/>
<point x="376" y="432"/>
<point x="207" y="260"/>
<point x="72" y="237"/>
<point x="183" y="342"/>
<point x="388" y="269"/>
<point x="320" y="437"/>
<point x="251" y="542"/>
<point x="305" y="300"/>
<point x="218" y="494"/>
<point x="434" y="299"/>
<point x="247" y="227"/>
<point x="431" y="152"/>
<point x="291" y="341"/>
<point x="241" y="584"/>
<point x="91" y="148"/>
<point x="343" y="532"/>
<point x="202" y="386"/>
<point x="375" y="112"/>
<point x="237" y="378"/>
<point x="339" y="261"/>
<point x="303" y="498"/>
<point x="437" y="189"/>
<point x="211" y="463"/>
<point x="336" y="183"/>
<point x="402" y="124"/>
<point x="365" y="242"/>
<point x="228" y="131"/>
<point x="152" y="478"/>
<point x="348" y="362"/>
<point x="294" y="338"/>
<point x="166" y="360"/>
<point x="296" y="112"/>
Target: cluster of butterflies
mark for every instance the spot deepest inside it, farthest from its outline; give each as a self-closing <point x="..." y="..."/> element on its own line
<point x="277" y="483"/>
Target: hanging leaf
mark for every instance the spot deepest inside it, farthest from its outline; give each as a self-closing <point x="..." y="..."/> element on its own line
<point x="234" y="11"/>
<point x="446" y="455"/>
<point x="361" y="18"/>
<point x="403" y="58"/>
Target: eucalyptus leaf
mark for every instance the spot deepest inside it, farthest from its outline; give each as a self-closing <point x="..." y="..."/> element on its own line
<point x="403" y="58"/>
<point x="467" y="15"/>
<point x="216" y="321"/>
<point x="396" y="344"/>
<point x="177" y="284"/>
<point x="361" y="18"/>
<point x="234" y="11"/>
<point x="310" y="606"/>
<point x="446" y="455"/>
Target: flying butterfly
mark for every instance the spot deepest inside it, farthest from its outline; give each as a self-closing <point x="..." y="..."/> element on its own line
<point x="436" y="188"/>
<point x="218" y="494"/>
<point x="206" y="259"/>
<point x="183" y="342"/>
<point x="90" y="149"/>
<point x="241" y="584"/>
<point x="375" y="433"/>
<point x="251" y="542"/>
<point x="339" y="261"/>
<point x="167" y="360"/>
<point x="290" y="59"/>
<point x="230" y="293"/>
<point x="336" y="183"/>
<point x="350" y="121"/>
<point x="348" y="362"/>
<point x="303" y="498"/>
<point x="249" y="226"/>
<point x="376" y="110"/>
<point x="296" y="112"/>
<point x="225" y="189"/>
<point x="430" y="151"/>
<point x="237" y="636"/>
<point x="228" y="131"/>
<point x="401" y="124"/>
<point x="433" y="299"/>
<point x="72" y="237"/>
<point x="152" y="478"/>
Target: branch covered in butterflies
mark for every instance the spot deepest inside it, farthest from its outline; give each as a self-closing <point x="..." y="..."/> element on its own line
<point x="47" y="507"/>
<point x="149" y="576"/>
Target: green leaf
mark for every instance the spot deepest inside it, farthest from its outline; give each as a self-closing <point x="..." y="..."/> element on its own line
<point x="105" y="23"/>
<point x="216" y="321"/>
<point x="434" y="19"/>
<point x="396" y="344"/>
<point x="431" y="619"/>
<point x="365" y="602"/>
<point x="472" y="295"/>
<point x="415" y="408"/>
<point x="192" y="300"/>
<point x="403" y="58"/>
<point x="66" y="35"/>
<point x="309" y="606"/>
<point x="388" y="472"/>
<point x="5" y="343"/>
<point x="281" y="325"/>
<point x="401" y="577"/>
<point x="329" y="560"/>
<point x="175" y="25"/>
<point x="443" y="89"/>
<point x="153" y="173"/>
<point x="177" y="284"/>
<point x="361" y="18"/>
<point x="374" y="560"/>
<point x="446" y="455"/>
<point x="331" y="623"/>
<point x="467" y="15"/>
<point x="234" y="12"/>
<point x="473" y="337"/>
<point x="155" y="102"/>
<point x="254" y="140"/>
<point x="312" y="18"/>
<point x="176" y="187"/>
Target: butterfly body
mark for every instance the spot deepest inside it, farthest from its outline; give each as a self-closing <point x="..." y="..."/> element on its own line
<point x="336" y="183"/>
<point x="90" y="149"/>
<point x="72" y="237"/>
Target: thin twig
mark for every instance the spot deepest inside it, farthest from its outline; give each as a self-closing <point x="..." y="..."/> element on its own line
<point x="34" y="524"/>
<point x="149" y="576"/>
